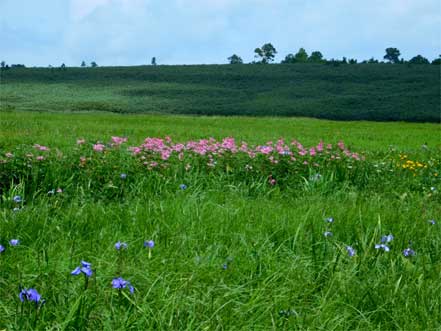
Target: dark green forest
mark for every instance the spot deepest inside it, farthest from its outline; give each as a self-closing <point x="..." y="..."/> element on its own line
<point x="371" y="91"/>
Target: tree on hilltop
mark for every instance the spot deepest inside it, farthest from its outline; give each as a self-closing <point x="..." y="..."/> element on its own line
<point x="419" y="59"/>
<point x="83" y="64"/>
<point x="235" y="59"/>
<point x="266" y="53"/>
<point x="153" y="61"/>
<point x="301" y="55"/>
<point x="316" y="57"/>
<point x="93" y="64"/>
<point x="392" y="55"/>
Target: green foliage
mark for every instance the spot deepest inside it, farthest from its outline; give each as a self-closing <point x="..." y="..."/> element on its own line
<point x="392" y="55"/>
<point x="231" y="252"/>
<point x="376" y="92"/>
<point x="266" y="53"/>
<point x="83" y="64"/>
<point x="316" y="57"/>
<point x="153" y="61"/>
<point x="419" y="59"/>
<point x="301" y="55"/>
<point x="93" y="64"/>
<point x="235" y="59"/>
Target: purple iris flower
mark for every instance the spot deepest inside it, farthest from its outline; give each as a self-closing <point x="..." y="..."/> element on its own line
<point x="120" y="245"/>
<point x="329" y="220"/>
<point x="431" y="222"/>
<point x="123" y="176"/>
<point x="183" y="187"/>
<point x="17" y="199"/>
<point x="85" y="268"/>
<point x="29" y="295"/>
<point x="2" y="248"/>
<point x="408" y="252"/>
<point x="328" y="234"/>
<point x="14" y="242"/>
<point x="351" y="251"/>
<point x="383" y="247"/>
<point x="387" y="239"/>
<point x="149" y="243"/>
<point x="225" y="266"/>
<point x="120" y="283"/>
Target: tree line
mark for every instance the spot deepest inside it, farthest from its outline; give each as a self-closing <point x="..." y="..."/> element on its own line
<point x="267" y="53"/>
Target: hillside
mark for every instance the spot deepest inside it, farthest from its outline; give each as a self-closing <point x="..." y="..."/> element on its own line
<point x="378" y="92"/>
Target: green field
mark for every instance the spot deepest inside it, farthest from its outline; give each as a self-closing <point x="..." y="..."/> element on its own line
<point x="375" y="92"/>
<point x="233" y="251"/>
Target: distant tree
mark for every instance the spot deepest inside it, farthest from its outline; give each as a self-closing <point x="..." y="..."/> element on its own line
<point x="352" y="61"/>
<point x="153" y="61"/>
<point x="437" y="61"/>
<point x="392" y="55"/>
<point x="301" y="55"/>
<point x="289" y="59"/>
<point x="419" y="59"/>
<point x="18" y="66"/>
<point x="3" y="64"/>
<point x="344" y="60"/>
<point x="235" y="59"/>
<point x="266" y="53"/>
<point x="316" y="57"/>
<point x="372" y="60"/>
<point x="93" y="64"/>
<point x="63" y="66"/>
<point x="83" y="64"/>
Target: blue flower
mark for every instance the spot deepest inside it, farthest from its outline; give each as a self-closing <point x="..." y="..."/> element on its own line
<point x="431" y="222"/>
<point x="408" y="252"/>
<point x="85" y="268"/>
<point x="2" y="248"/>
<point x="328" y="234"/>
<point x="351" y="251"/>
<point x="29" y="295"/>
<point x="123" y="176"/>
<point x="14" y="242"/>
<point x="120" y="283"/>
<point x="183" y="187"/>
<point x="383" y="247"/>
<point x="329" y="220"/>
<point x="225" y="266"/>
<point x="387" y="239"/>
<point x="120" y="245"/>
<point x="149" y="243"/>
<point x="17" y="199"/>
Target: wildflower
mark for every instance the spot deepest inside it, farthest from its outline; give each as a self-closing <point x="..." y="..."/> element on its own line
<point x="150" y="244"/>
<point x="59" y="190"/>
<point x="183" y="187"/>
<point x="9" y="155"/>
<point x="2" y="248"/>
<point x="120" y="245"/>
<point x="80" y="141"/>
<point x="40" y="158"/>
<point x="432" y="222"/>
<point x="17" y="199"/>
<point x="98" y="147"/>
<point x="120" y="283"/>
<point x="433" y="188"/>
<point x="16" y="209"/>
<point x="29" y="295"/>
<point x="123" y="176"/>
<point x="408" y="252"/>
<point x="387" y="239"/>
<point x="329" y="220"/>
<point x="351" y="251"/>
<point x="51" y="192"/>
<point x="224" y="266"/>
<point x="14" y="242"/>
<point x="383" y="247"/>
<point x="328" y="234"/>
<point x="85" y="268"/>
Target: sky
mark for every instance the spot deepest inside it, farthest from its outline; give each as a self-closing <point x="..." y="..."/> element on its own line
<point x="131" y="32"/>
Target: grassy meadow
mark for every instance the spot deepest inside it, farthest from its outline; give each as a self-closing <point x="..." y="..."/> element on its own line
<point x="267" y="242"/>
<point x="375" y="92"/>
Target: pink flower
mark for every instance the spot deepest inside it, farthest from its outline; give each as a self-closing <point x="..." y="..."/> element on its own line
<point x="118" y="140"/>
<point x="312" y="151"/>
<point x="341" y="145"/>
<point x="59" y="190"/>
<point x="40" y="158"/>
<point x="98" y="147"/>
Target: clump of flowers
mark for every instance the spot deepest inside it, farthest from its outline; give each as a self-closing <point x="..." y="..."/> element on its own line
<point x="351" y="251"/>
<point x="384" y="241"/>
<point x="408" y="252"/>
<point x="85" y="268"/>
<point x="14" y="242"/>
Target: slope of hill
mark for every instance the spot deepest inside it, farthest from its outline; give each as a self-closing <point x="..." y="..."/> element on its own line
<point x="378" y="92"/>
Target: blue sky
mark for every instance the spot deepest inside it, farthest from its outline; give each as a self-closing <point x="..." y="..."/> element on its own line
<point x="130" y="32"/>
